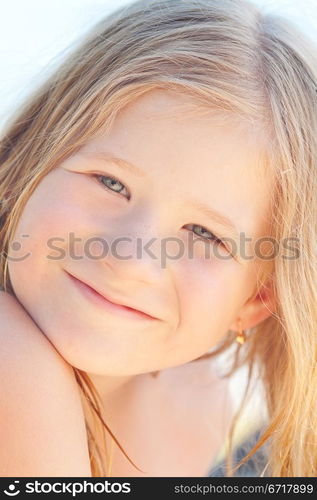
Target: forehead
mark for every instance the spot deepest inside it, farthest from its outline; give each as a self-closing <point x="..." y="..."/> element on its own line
<point x="186" y="150"/>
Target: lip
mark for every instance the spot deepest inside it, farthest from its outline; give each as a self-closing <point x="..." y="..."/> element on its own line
<point x="107" y="304"/>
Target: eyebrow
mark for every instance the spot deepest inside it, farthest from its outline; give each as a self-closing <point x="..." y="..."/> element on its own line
<point x="216" y="216"/>
<point x="124" y="164"/>
<point x="197" y="205"/>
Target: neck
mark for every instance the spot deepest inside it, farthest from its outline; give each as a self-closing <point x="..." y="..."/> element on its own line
<point x="110" y="386"/>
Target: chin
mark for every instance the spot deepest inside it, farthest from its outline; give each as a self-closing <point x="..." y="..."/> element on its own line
<point x="93" y="359"/>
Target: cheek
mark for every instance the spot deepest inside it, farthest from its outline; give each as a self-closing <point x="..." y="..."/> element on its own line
<point x="56" y="213"/>
<point x="50" y="215"/>
<point x="212" y="293"/>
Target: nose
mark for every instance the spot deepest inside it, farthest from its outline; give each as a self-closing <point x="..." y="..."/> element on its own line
<point x="135" y="254"/>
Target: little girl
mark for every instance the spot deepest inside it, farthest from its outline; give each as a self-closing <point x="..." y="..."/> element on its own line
<point x="158" y="209"/>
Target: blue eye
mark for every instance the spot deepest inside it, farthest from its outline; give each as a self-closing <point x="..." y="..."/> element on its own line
<point x="212" y="238"/>
<point x="111" y="183"/>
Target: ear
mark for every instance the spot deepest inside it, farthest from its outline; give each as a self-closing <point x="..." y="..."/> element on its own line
<point x="258" y="307"/>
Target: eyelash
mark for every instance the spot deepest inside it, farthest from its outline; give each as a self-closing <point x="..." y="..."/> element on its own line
<point x="213" y="239"/>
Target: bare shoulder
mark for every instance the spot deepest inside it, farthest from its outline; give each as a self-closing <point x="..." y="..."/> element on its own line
<point x="42" y="429"/>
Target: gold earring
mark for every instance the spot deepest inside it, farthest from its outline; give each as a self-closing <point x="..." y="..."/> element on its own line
<point x="241" y="337"/>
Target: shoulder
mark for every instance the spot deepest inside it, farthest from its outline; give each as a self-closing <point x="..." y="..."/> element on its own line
<point x="42" y="423"/>
<point x="24" y="345"/>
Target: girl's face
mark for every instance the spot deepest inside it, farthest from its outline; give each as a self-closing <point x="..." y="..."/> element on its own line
<point x="130" y="230"/>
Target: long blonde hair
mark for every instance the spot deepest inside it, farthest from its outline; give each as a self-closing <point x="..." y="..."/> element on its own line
<point x="228" y="56"/>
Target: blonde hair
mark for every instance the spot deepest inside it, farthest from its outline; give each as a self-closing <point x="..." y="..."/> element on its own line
<point x="229" y="57"/>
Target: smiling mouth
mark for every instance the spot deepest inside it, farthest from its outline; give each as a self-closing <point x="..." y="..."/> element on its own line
<point x="101" y="300"/>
